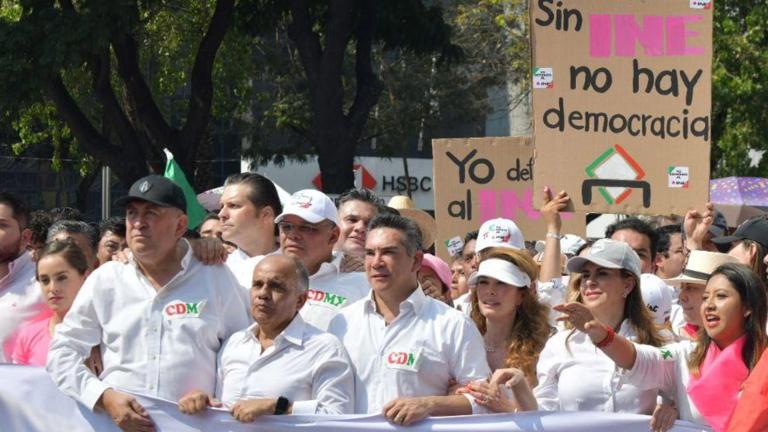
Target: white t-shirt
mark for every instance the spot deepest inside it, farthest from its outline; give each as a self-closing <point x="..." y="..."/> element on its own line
<point x="305" y="365"/>
<point x="161" y="343"/>
<point x="585" y="379"/>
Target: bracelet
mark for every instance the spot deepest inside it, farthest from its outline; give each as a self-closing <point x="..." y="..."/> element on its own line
<point x="608" y="339"/>
<point x="554" y="235"/>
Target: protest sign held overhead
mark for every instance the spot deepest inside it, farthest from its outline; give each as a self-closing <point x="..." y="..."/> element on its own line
<point x="621" y="101"/>
<point x="477" y="179"/>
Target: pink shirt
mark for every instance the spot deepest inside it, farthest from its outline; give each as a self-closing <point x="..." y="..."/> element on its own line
<point x="32" y="344"/>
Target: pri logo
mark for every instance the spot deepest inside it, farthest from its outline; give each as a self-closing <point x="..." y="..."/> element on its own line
<point x="498" y="233"/>
<point x="180" y="309"/>
<point x="303" y="201"/>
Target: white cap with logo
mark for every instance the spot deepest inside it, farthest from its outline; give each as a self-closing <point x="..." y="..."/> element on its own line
<point x="311" y="205"/>
<point x="499" y="232"/>
<point x="657" y="295"/>
<point x="609" y="254"/>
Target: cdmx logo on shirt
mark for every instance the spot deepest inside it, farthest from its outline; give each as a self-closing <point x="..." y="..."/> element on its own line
<point x="178" y="308"/>
<point x="324" y="297"/>
<point x="402" y="358"/>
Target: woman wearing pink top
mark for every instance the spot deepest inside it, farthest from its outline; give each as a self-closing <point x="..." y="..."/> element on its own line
<point x="61" y="271"/>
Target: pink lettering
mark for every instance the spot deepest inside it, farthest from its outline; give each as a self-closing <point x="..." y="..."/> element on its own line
<point x="620" y="34"/>
<point x="600" y="35"/>
<point x="511" y="204"/>
<point x="169" y="310"/>
<point x="487" y="204"/>
<point x="677" y="36"/>
<point x="181" y="308"/>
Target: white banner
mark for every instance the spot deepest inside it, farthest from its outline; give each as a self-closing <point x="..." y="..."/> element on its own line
<point x="30" y="402"/>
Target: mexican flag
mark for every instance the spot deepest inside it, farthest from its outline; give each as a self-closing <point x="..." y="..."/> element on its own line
<point x="195" y="212"/>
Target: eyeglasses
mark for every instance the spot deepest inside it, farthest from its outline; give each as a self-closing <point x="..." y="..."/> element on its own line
<point x="288" y="228"/>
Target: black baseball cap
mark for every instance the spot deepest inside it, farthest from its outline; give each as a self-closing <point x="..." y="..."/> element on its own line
<point x="755" y="229"/>
<point x="155" y="189"/>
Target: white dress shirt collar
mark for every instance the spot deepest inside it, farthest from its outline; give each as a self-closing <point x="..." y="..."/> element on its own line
<point x="186" y="260"/>
<point x="328" y="268"/>
<point x="414" y="302"/>
<point x="293" y="333"/>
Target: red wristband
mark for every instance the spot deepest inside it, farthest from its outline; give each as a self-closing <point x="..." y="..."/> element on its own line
<point x="608" y="339"/>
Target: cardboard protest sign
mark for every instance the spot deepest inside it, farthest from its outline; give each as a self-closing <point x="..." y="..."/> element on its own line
<point x="621" y="102"/>
<point x="477" y="179"/>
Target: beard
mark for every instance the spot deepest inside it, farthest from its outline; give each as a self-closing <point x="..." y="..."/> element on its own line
<point x="10" y="252"/>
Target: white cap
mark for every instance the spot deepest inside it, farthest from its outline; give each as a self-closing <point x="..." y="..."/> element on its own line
<point x="499" y="232"/>
<point x="311" y="205"/>
<point x="570" y="244"/>
<point x="609" y="254"/>
<point x="657" y="295"/>
<point x="502" y="271"/>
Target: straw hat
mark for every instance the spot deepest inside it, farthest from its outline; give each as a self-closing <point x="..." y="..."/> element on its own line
<point x="424" y="220"/>
<point x="700" y="265"/>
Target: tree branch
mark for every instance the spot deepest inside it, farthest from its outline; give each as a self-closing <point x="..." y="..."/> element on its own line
<point x="87" y="136"/>
<point x="199" y="112"/>
<point x="101" y="72"/>
<point x="307" y="42"/>
<point x="149" y="115"/>
<point x="369" y="87"/>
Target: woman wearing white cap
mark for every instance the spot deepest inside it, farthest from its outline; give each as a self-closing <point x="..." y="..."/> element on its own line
<point x="573" y="374"/>
<point x="514" y="326"/>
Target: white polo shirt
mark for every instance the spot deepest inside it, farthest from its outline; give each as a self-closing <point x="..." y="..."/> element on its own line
<point x="21" y="301"/>
<point x="583" y="378"/>
<point x="241" y="265"/>
<point x="160" y="343"/>
<point x="330" y="290"/>
<point x="426" y="346"/>
<point x="305" y="365"/>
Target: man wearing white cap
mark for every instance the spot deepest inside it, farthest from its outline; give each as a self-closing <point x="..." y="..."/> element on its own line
<point x="309" y="232"/>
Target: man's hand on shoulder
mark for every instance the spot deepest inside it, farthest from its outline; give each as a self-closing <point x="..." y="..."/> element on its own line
<point x="209" y="250"/>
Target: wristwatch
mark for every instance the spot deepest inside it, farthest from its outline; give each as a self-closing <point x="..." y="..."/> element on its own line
<point x="282" y="405"/>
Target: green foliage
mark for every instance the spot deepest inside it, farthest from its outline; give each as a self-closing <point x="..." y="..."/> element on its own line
<point x="740" y="87"/>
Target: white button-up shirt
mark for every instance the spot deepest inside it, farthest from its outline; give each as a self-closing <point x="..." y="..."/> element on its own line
<point x="161" y="343"/>
<point x="585" y="379"/>
<point x="20" y="301"/>
<point x="305" y="365"/>
<point x="666" y="368"/>
<point x="417" y="354"/>
<point x="330" y="290"/>
<point x="241" y="265"/>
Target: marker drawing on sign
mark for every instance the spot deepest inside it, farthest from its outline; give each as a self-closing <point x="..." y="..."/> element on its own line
<point x="616" y="173"/>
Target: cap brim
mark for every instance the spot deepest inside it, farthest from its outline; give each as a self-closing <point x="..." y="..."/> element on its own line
<point x="306" y="215"/>
<point x="726" y="240"/>
<point x="575" y="264"/>
<point x="508" y="277"/>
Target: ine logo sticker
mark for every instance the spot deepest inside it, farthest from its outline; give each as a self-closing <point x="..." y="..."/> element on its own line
<point x="678" y="177"/>
<point x="543" y="78"/>
<point x="614" y="166"/>
<point x="701" y="4"/>
<point x="454" y="245"/>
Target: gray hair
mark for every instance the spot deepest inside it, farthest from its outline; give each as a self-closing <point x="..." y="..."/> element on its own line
<point x="410" y="230"/>
<point x="74" y="227"/>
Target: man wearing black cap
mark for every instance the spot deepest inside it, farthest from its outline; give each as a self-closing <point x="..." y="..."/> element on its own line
<point x="748" y="244"/>
<point x="159" y="319"/>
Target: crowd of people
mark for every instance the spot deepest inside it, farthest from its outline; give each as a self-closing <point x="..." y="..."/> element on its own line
<point x="306" y="307"/>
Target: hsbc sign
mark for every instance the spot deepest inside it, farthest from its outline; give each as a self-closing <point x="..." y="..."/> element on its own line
<point x="385" y="177"/>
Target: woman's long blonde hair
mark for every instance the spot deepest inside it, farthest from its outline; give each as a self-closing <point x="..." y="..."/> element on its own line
<point x="530" y="329"/>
